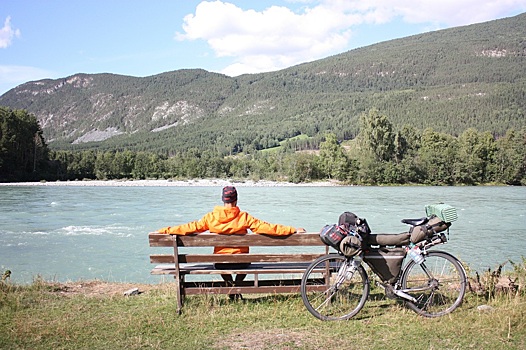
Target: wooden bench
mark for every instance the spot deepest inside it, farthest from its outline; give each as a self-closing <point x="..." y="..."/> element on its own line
<point x="278" y="271"/>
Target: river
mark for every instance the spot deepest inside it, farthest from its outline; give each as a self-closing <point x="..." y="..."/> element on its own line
<point x="70" y="233"/>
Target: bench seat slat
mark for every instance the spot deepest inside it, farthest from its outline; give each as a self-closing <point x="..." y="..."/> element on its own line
<point x="235" y="258"/>
<point x="250" y="239"/>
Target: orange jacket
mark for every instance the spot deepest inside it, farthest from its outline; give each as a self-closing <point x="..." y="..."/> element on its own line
<point x="229" y="221"/>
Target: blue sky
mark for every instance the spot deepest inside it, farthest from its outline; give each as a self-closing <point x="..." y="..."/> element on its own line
<point x="58" y="38"/>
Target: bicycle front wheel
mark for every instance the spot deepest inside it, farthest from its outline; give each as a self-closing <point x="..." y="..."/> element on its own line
<point x="438" y="284"/>
<point x="332" y="288"/>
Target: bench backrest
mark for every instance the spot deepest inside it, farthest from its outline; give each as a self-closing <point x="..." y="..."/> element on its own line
<point x="252" y="240"/>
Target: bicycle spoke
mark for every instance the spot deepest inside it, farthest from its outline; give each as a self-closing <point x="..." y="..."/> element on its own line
<point x="438" y="284"/>
<point x="330" y="291"/>
<point x="326" y="301"/>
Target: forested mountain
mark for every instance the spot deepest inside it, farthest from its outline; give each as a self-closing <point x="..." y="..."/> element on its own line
<point x="450" y="80"/>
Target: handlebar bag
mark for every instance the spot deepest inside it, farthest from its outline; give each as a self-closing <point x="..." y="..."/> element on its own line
<point x="332" y="235"/>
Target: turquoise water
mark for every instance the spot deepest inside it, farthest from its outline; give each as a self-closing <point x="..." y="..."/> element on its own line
<point x="72" y="233"/>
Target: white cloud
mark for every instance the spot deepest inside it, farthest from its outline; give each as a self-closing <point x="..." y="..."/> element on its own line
<point x="278" y="37"/>
<point x="271" y="39"/>
<point x="7" y="34"/>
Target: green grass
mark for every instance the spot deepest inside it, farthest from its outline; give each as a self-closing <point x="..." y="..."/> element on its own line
<point x="47" y="316"/>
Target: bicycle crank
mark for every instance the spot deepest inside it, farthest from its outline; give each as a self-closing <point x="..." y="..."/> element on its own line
<point x="393" y="293"/>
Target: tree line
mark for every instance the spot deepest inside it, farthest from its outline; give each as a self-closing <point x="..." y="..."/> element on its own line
<point x="379" y="154"/>
<point x="23" y="151"/>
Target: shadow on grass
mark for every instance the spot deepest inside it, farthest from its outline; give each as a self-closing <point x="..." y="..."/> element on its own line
<point x="376" y="304"/>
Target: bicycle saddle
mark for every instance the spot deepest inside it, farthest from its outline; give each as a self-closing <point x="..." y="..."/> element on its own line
<point x="415" y="222"/>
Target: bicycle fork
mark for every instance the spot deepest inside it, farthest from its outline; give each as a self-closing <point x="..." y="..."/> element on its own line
<point x="345" y="272"/>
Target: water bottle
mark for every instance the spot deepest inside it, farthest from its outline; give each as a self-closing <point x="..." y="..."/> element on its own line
<point x="351" y="268"/>
<point x="357" y="261"/>
<point x="416" y="254"/>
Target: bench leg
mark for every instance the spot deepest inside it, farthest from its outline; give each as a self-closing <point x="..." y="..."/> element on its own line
<point x="179" y="294"/>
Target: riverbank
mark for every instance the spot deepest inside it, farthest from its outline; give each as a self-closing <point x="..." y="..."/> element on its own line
<point x="97" y="315"/>
<point x="175" y="183"/>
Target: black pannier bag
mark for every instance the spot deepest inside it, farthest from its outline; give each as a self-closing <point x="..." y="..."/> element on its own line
<point x="433" y="226"/>
<point x="385" y="262"/>
<point x="332" y="235"/>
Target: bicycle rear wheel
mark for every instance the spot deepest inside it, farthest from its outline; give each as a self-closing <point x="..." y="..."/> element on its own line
<point x="438" y="284"/>
<point x="332" y="288"/>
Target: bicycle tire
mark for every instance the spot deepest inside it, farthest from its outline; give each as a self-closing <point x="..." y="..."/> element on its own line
<point x="448" y="284"/>
<point x="337" y="301"/>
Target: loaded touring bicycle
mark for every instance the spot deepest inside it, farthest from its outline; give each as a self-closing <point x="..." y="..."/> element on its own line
<point x="432" y="282"/>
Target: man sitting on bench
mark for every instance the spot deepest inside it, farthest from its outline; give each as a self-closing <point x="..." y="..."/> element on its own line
<point x="230" y="220"/>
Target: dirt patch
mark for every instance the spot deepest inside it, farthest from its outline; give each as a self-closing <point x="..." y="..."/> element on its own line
<point x="271" y="339"/>
<point x="101" y="288"/>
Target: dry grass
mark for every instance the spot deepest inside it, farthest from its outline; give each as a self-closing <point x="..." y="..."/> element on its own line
<point x="97" y="315"/>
